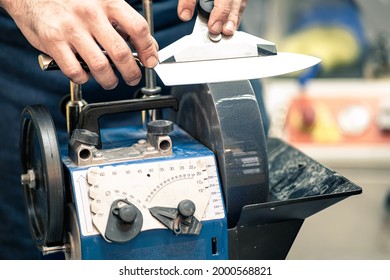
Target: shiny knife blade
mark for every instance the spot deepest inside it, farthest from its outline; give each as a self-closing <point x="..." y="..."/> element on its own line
<point x="203" y="58"/>
<point x="234" y="69"/>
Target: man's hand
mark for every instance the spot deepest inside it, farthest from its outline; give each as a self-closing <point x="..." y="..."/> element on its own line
<point x="62" y="28"/>
<point x="225" y="17"/>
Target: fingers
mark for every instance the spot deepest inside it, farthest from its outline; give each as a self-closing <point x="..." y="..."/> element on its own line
<point x="92" y="30"/>
<point x="138" y="32"/>
<point x="98" y="64"/>
<point x="118" y="51"/>
<point x="68" y="63"/>
<point x="226" y="16"/>
<point x="185" y="9"/>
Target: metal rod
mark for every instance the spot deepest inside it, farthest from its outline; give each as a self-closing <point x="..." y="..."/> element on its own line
<point x="151" y="89"/>
<point x="55" y="249"/>
<point x="75" y="92"/>
<point x="147" y="6"/>
<point x="74" y="107"/>
<point x="150" y="75"/>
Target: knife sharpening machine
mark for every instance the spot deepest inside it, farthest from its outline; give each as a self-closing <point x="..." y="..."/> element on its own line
<point x="203" y="183"/>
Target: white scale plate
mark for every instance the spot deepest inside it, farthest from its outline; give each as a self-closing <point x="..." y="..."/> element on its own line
<point x="160" y="183"/>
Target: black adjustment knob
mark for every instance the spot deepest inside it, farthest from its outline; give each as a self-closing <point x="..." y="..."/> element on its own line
<point x="124" y="221"/>
<point x="127" y="213"/>
<point x="205" y="7"/>
<point x="160" y="127"/>
<point x="84" y="136"/>
<point x="186" y="208"/>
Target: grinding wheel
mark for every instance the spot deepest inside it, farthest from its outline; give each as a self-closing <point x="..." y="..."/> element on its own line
<point x="225" y="117"/>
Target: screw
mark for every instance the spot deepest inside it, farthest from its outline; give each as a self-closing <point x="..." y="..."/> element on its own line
<point x="28" y="179"/>
<point x="98" y="155"/>
<point x="150" y="149"/>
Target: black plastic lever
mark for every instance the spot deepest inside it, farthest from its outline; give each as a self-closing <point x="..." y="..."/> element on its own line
<point x="91" y="113"/>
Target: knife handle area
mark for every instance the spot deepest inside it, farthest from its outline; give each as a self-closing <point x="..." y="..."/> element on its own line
<point x="47" y="63"/>
<point x="205" y="7"/>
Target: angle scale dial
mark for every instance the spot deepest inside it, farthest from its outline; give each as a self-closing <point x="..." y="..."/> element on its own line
<point x="148" y="185"/>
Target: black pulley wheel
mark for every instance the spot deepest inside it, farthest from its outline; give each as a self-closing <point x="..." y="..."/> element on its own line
<point x="42" y="177"/>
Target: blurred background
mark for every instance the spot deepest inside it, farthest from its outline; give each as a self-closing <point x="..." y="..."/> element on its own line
<point x="337" y="113"/>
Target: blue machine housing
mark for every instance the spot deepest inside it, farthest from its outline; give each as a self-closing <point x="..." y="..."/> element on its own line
<point x="211" y="243"/>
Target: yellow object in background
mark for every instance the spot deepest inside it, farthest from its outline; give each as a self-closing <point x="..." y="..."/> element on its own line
<point x="336" y="46"/>
<point x="323" y="128"/>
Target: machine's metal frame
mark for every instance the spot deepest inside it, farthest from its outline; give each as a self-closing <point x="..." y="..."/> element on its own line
<point x="269" y="188"/>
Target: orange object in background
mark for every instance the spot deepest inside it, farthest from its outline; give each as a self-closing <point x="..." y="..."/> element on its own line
<point x="336" y="120"/>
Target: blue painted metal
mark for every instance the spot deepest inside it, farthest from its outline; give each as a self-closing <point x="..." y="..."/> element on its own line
<point x="211" y="243"/>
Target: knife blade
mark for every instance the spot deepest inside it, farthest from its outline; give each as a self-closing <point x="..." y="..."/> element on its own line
<point x="235" y="69"/>
<point x="203" y="58"/>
